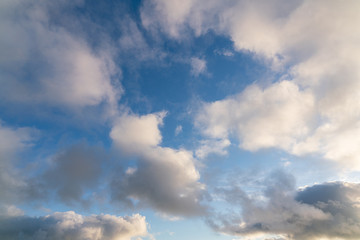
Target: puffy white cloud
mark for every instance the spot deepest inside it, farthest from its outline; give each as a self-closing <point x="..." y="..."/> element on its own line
<point x="276" y="116"/>
<point x="314" y="46"/>
<point x="45" y="64"/>
<point x="70" y="225"/>
<point x="133" y="133"/>
<point x="164" y="178"/>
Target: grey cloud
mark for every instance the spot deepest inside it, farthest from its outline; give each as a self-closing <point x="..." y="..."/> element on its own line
<point x="328" y="210"/>
<point x="69" y="225"/>
<point x="162" y="183"/>
<point x="163" y="178"/>
<point x="74" y="171"/>
<point x="341" y="201"/>
<point x="70" y="174"/>
<point x="13" y="143"/>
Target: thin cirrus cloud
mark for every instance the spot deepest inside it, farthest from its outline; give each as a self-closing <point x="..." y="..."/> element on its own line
<point x="317" y="56"/>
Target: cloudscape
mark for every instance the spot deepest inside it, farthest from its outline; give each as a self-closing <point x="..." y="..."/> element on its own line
<point x="180" y="119"/>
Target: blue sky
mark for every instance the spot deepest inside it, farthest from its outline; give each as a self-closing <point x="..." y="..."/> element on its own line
<point x="191" y="119"/>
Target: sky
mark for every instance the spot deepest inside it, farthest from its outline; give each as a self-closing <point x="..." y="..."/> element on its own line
<point x="180" y="119"/>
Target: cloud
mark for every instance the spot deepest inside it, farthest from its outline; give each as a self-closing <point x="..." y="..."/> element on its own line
<point x="341" y="200"/>
<point x="70" y="225"/>
<point x="215" y="146"/>
<point x="10" y="211"/>
<point x="134" y="45"/>
<point x="166" y="15"/>
<point x="198" y="66"/>
<point x="273" y="117"/>
<point x="178" y="130"/>
<point x="45" y="64"/>
<point x="312" y="46"/>
<point x="164" y="178"/>
<point x="13" y="142"/>
<point x="133" y="133"/>
<point x="73" y="172"/>
<point x="322" y="211"/>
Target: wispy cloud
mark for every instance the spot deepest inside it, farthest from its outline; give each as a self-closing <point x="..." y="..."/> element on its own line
<point x="198" y="66"/>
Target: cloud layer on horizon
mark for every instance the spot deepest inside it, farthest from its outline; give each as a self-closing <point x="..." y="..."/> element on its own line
<point x="322" y="211"/>
<point x="70" y="225"/>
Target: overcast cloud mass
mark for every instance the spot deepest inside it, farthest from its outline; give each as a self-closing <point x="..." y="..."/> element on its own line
<point x="180" y="119"/>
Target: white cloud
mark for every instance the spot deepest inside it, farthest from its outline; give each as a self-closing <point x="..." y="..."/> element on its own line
<point x="133" y="133"/>
<point x="169" y="14"/>
<point x="273" y="117"/>
<point x="70" y="225"/>
<point x="224" y="52"/>
<point x="178" y="130"/>
<point x="317" y="43"/>
<point x="213" y="146"/>
<point x="198" y="66"/>
<point x="165" y="178"/>
<point x="46" y="64"/>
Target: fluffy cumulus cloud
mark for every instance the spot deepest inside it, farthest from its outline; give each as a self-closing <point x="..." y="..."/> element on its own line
<point x="70" y="225"/>
<point x="44" y="63"/>
<point x="272" y="117"/>
<point x="313" y="45"/>
<point x="164" y="178"/>
<point x="322" y="211"/>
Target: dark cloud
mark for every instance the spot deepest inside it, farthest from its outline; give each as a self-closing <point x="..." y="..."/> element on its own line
<point x="75" y="171"/>
<point x="69" y="225"/>
<point x="71" y="177"/>
<point x="341" y="201"/>
<point x="329" y="210"/>
<point x="163" y="181"/>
